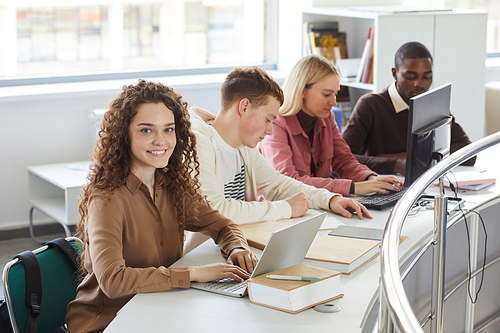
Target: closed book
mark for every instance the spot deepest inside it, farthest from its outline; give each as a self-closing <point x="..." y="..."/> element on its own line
<point x="357" y="232"/>
<point x="469" y="179"/>
<point x="342" y="254"/>
<point x="295" y="296"/>
<point x="361" y="232"/>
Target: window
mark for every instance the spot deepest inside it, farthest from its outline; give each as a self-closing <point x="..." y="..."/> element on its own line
<point x="122" y="36"/>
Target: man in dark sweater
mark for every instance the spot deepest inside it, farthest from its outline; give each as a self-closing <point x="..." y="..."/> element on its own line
<point x="377" y="128"/>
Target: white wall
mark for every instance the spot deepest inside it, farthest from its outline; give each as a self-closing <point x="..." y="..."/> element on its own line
<point x="54" y="128"/>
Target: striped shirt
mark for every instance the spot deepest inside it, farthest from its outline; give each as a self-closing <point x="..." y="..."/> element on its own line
<point x="234" y="168"/>
<point x="235" y="189"/>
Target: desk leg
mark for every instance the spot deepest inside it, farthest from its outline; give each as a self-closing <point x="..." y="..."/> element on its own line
<point x="32" y="233"/>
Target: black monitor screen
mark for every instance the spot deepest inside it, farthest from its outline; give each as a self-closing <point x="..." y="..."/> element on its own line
<point x="429" y="131"/>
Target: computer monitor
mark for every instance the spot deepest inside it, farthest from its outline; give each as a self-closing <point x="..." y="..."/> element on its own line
<point x="429" y="131"/>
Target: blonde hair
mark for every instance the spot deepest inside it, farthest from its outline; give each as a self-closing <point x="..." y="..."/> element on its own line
<point x="306" y="72"/>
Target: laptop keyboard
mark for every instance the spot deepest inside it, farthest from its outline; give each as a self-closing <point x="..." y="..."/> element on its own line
<point x="380" y="201"/>
<point x="228" y="285"/>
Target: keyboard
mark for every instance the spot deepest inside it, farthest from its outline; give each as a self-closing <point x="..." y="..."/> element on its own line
<point x="226" y="286"/>
<point x="380" y="201"/>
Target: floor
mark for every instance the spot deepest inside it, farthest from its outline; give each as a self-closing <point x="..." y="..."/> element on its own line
<point x="9" y="248"/>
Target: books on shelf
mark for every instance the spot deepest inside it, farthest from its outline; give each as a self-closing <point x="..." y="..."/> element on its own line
<point x="308" y="33"/>
<point x="295" y="296"/>
<point x="368" y="74"/>
<point x="323" y="38"/>
<point x="364" y="66"/>
<point x="344" y="103"/>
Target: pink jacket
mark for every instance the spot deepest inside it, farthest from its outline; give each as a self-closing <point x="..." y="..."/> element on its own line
<point x="288" y="150"/>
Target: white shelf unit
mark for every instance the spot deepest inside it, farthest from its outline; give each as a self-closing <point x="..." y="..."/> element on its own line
<point x="54" y="189"/>
<point x="455" y="38"/>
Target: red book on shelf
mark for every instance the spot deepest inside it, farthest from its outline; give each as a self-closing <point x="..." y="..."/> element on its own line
<point x="365" y="57"/>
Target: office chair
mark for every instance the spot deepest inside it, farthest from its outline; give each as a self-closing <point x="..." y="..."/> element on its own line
<point x="58" y="282"/>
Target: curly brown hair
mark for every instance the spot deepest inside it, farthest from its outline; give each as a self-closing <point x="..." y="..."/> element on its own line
<point x="112" y="160"/>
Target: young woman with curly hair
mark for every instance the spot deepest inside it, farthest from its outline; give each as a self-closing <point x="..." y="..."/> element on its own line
<point x="142" y="193"/>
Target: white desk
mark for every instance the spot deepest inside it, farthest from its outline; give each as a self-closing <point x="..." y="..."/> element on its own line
<point x="54" y="189"/>
<point x="189" y="310"/>
<point x="199" y="311"/>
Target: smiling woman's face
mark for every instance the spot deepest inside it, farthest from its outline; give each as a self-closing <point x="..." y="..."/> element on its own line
<point x="152" y="137"/>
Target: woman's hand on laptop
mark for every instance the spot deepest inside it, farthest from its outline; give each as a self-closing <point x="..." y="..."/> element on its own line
<point x="245" y="259"/>
<point x="212" y="272"/>
<point x="346" y="207"/>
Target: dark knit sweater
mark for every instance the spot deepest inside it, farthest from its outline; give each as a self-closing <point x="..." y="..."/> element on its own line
<point x="375" y="128"/>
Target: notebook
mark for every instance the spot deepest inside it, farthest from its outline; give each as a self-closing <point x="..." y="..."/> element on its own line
<point x="285" y="248"/>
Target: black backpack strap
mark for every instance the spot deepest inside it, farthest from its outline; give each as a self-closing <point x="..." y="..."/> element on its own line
<point x="33" y="288"/>
<point x="5" y="325"/>
<point x="67" y="249"/>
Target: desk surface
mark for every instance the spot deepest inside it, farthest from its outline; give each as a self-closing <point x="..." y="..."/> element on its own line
<point x="63" y="175"/>
<point x="190" y="310"/>
<point x="208" y="311"/>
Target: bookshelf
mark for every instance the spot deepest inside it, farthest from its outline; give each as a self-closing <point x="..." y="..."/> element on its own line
<point x="456" y="38"/>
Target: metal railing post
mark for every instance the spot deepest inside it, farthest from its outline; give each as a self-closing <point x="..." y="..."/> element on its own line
<point x="438" y="260"/>
<point x="385" y="324"/>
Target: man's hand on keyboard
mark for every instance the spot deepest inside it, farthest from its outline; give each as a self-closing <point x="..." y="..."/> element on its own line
<point x="382" y="184"/>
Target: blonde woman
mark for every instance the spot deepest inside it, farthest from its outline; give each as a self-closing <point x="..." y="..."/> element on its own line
<point x="306" y="144"/>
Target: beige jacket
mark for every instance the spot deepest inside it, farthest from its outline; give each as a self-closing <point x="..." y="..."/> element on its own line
<point x="261" y="179"/>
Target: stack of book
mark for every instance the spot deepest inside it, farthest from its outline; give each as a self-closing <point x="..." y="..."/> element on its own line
<point x="294" y="289"/>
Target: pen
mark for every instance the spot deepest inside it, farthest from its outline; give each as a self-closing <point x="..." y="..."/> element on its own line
<point x="289" y="277"/>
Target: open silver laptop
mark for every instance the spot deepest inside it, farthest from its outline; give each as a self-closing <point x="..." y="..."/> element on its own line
<point x="285" y="247"/>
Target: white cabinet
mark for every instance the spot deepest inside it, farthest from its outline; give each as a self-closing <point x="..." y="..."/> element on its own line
<point x="455" y="38"/>
<point x="54" y="189"/>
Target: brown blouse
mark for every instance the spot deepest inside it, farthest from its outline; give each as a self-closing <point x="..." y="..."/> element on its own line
<point x="132" y="240"/>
